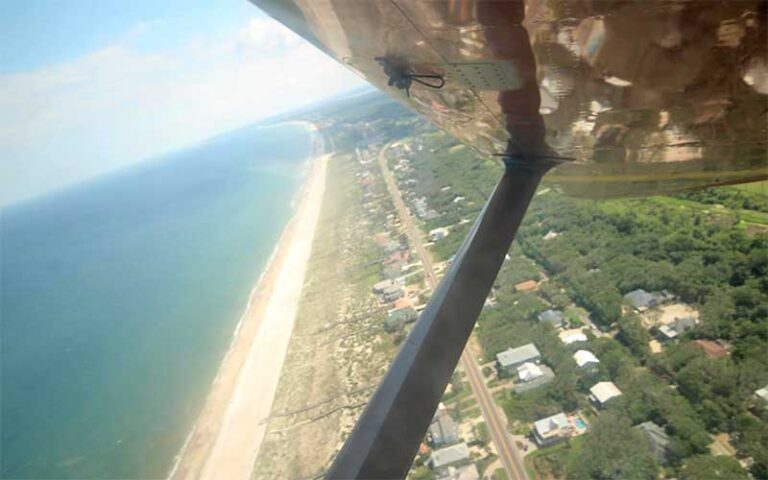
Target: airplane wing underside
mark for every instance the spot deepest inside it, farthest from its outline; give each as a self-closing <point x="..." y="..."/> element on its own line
<point x="632" y="97"/>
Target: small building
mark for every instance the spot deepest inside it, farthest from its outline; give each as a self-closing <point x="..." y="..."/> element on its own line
<point x="657" y="439"/>
<point x="711" y="349"/>
<point x="438" y="234"/>
<point x="443" y="430"/>
<point x="379" y="287"/>
<point x="553" y="317"/>
<point x="390" y="294"/>
<point x="531" y="376"/>
<point x="401" y="303"/>
<point x="677" y="327"/>
<point x="551" y="429"/>
<point x="640" y="300"/>
<point x="453" y="456"/>
<point x="762" y="395"/>
<point x="529" y="371"/>
<point x="585" y="359"/>
<point x="551" y="235"/>
<point x="467" y="472"/>
<point x="602" y="392"/>
<point x="569" y="337"/>
<point x="508" y="360"/>
<point x="527" y="286"/>
<point x="399" y="317"/>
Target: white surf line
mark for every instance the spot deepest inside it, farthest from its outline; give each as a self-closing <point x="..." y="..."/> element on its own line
<point x="243" y="428"/>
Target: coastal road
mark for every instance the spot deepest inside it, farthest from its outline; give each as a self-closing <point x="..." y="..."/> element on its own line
<point x="508" y="453"/>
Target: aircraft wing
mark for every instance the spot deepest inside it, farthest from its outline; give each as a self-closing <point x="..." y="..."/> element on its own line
<point x="634" y="97"/>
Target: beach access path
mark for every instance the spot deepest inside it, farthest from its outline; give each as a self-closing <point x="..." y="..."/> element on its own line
<point x="228" y="434"/>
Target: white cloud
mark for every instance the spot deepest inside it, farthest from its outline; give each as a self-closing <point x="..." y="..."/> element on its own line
<point x="118" y="105"/>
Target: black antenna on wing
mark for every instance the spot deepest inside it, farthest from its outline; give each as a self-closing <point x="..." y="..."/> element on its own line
<point x="402" y="76"/>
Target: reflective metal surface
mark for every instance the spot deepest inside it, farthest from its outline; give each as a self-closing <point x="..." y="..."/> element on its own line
<point x="637" y="97"/>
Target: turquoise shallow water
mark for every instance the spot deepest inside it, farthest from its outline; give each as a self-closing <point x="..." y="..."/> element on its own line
<point x="119" y="299"/>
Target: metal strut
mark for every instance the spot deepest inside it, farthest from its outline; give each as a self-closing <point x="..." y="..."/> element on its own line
<point x="388" y="433"/>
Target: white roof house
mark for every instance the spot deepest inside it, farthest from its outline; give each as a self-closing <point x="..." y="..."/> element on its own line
<point x="437" y="233"/>
<point x="547" y="430"/>
<point x="529" y="371"/>
<point x="572" y="336"/>
<point x="512" y="357"/>
<point x="449" y="455"/>
<point x="601" y="392"/>
<point x="585" y="358"/>
<point x="762" y="393"/>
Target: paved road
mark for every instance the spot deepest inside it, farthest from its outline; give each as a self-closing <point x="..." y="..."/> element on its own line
<point x="510" y="457"/>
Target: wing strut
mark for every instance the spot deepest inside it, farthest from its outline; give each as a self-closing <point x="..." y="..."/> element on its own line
<point x="387" y="435"/>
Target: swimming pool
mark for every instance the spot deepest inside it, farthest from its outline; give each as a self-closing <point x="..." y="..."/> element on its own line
<point x="580" y="424"/>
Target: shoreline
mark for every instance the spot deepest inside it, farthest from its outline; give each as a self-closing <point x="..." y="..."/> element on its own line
<point x="226" y="437"/>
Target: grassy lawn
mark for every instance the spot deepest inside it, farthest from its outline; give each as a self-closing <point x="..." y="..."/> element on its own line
<point x="550" y="462"/>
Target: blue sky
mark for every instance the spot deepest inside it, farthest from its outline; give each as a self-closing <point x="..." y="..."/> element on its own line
<point x="90" y="86"/>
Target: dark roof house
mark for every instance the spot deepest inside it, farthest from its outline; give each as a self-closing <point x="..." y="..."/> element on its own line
<point x="677" y="327"/>
<point x="510" y="359"/>
<point x="640" y="299"/>
<point x="657" y="439"/>
<point x="554" y="317"/>
<point x="443" y="430"/>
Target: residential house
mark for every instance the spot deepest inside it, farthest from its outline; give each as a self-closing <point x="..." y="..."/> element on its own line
<point x="551" y="429"/>
<point x="390" y="294"/>
<point x="403" y="302"/>
<point x="762" y="395"/>
<point x="438" y="234"/>
<point x="677" y="327"/>
<point x="467" y="472"/>
<point x="398" y="317"/>
<point x="527" y="286"/>
<point x="379" y="288"/>
<point x="641" y="300"/>
<point x="657" y="439"/>
<point x="531" y="376"/>
<point x="442" y="430"/>
<point x="453" y="456"/>
<point x="711" y="348"/>
<point x="585" y="359"/>
<point x="511" y="358"/>
<point x="569" y="337"/>
<point x="553" y="317"/>
<point x="602" y="392"/>
<point x="529" y="371"/>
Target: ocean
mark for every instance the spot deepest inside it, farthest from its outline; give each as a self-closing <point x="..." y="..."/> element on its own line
<point x="119" y="298"/>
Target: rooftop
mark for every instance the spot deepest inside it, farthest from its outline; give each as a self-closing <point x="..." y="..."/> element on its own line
<point x="449" y="455"/>
<point x="584" y="358"/>
<point x="657" y="439"/>
<point x="640" y="299"/>
<point x="572" y="336"/>
<point x="555" y="317"/>
<point x="529" y="371"/>
<point x="604" y="391"/>
<point x="551" y="425"/>
<point x="527" y="286"/>
<point x="516" y="356"/>
<point x="712" y="348"/>
<point x="677" y="326"/>
<point x="762" y="393"/>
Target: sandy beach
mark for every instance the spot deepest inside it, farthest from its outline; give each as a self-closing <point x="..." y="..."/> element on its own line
<point x="229" y="431"/>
